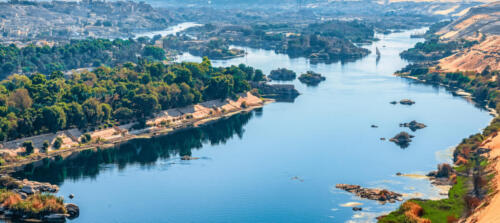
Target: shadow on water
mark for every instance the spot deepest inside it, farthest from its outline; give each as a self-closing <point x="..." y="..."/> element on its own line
<point x="144" y="152"/>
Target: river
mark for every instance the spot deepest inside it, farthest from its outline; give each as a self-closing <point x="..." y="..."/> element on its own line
<point x="169" y="31"/>
<point x="281" y="163"/>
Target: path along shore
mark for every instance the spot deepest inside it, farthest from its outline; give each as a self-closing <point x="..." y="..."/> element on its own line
<point x="163" y="123"/>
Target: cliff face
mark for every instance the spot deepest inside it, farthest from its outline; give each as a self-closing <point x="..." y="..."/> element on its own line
<point x="481" y="23"/>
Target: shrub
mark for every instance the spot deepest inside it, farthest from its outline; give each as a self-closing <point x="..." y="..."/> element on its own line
<point x="45" y="145"/>
<point x="28" y="145"/>
<point x="244" y="104"/>
<point x="58" y="143"/>
<point x="86" y="138"/>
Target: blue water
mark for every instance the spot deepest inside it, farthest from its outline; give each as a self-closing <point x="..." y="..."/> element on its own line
<point x="281" y="164"/>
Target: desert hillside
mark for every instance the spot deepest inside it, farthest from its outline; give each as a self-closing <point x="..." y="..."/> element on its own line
<point x="476" y="58"/>
<point x="482" y="24"/>
<point x="484" y="19"/>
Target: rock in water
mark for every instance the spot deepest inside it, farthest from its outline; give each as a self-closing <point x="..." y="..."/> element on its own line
<point x="402" y="139"/>
<point x="357" y="209"/>
<point x="73" y="210"/>
<point x="380" y="195"/>
<point x="406" y="102"/>
<point x="413" y="125"/>
<point x="71" y="196"/>
<point x="189" y="158"/>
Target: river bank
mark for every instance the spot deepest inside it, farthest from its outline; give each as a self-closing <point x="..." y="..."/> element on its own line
<point x="455" y="90"/>
<point x="474" y="178"/>
<point x="269" y="159"/>
<point x="165" y="122"/>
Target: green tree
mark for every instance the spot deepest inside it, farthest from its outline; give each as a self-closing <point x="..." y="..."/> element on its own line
<point x="92" y="110"/>
<point x="45" y="145"/>
<point x="145" y="104"/>
<point x="57" y="143"/>
<point x="53" y="118"/>
<point x="28" y="145"/>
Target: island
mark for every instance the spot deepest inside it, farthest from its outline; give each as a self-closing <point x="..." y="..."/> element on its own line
<point x="311" y="78"/>
<point x="282" y="74"/>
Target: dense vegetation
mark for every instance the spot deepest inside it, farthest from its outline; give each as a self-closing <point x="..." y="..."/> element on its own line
<point x="434" y="49"/>
<point x="355" y="31"/>
<point x="322" y="42"/>
<point x="75" y="54"/>
<point x="36" y="104"/>
<point x="484" y="86"/>
<point x="282" y="74"/>
<point x="437" y="211"/>
<point x="320" y="48"/>
<point x="213" y="48"/>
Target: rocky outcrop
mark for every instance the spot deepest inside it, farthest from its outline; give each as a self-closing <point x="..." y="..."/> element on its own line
<point x="406" y="102"/>
<point x="311" y="78"/>
<point x="189" y="158"/>
<point x="380" y="195"/>
<point x="402" y="139"/>
<point x="282" y="74"/>
<point x="445" y="175"/>
<point x="413" y="125"/>
<point x="27" y="186"/>
<point x="444" y="171"/>
<point x="73" y="210"/>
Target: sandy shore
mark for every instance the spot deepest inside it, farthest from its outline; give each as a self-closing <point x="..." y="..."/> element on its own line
<point x="163" y="123"/>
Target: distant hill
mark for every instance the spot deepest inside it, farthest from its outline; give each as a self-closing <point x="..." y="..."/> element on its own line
<point x="484" y="19"/>
<point x="481" y="23"/>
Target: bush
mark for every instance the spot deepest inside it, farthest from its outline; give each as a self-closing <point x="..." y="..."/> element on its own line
<point x="45" y="145"/>
<point x="36" y="205"/>
<point x="58" y="143"/>
<point x="28" y="145"/>
<point x="86" y="138"/>
<point x="244" y="104"/>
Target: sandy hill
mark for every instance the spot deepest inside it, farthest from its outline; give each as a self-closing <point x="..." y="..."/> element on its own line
<point x="481" y="23"/>
<point x="484" y="19"/>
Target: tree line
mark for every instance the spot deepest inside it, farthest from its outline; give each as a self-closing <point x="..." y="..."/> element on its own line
<point x="75" y="54"/>
<point x="36" y="104"/>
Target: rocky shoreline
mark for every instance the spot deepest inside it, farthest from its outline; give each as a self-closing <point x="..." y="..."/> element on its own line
<point x="381" y="195"/>
<point x="33" y="194"/>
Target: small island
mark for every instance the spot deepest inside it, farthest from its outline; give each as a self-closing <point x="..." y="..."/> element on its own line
<point x="406" y="102"/>
<point x="402" y="139"/>
<point x="311" y="78"/>
<point x="413" y="125"/>
<point x="380" y="195"/>
<point x="282" y="74"/>
<point x="31" y="201"/>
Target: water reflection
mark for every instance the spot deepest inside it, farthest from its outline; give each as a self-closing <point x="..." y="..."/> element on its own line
<point x="145" y="152"/>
